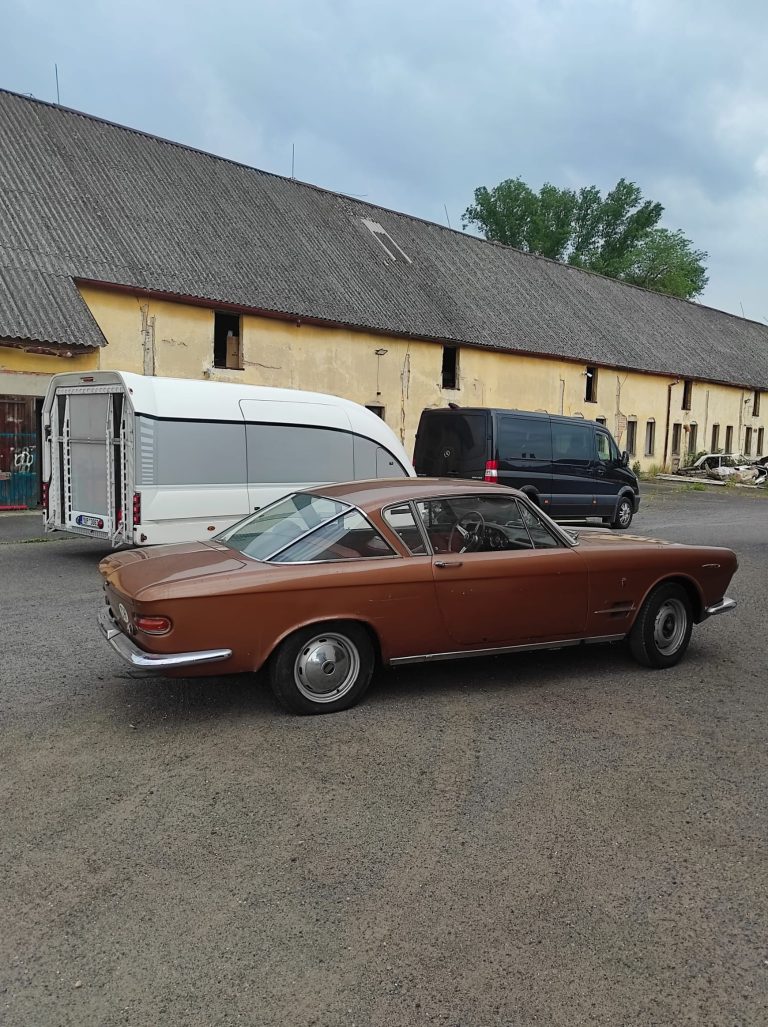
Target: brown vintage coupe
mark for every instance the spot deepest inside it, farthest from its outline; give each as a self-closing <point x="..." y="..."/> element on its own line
<point x="326" y="583"/>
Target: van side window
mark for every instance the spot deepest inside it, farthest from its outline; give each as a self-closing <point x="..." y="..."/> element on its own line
<point x="572" y="443"/>
<point x="523" y="438"/>
<point x="607" y="450"/>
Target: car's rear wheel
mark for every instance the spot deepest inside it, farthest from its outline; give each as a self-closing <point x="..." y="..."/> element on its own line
<point x="622" y="518"/>
<point x="662" y="631"/>
<point x="323" y="669"/>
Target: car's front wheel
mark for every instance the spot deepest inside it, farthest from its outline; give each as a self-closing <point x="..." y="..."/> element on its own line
<point x="622" y="518"/>
<point x="323" y="669"/>
<point x="662" y="630"/>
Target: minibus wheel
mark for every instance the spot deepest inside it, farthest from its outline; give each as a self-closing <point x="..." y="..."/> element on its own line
<point x="624" y="513"/>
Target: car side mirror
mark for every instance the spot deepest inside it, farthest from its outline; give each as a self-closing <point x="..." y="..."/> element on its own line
<point x="625" y="459"/>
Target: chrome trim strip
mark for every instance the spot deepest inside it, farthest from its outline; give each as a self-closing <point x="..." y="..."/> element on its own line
<point x="724" y="606"/>
<point x="138" y="659"/>
<point x="531" y="647"/>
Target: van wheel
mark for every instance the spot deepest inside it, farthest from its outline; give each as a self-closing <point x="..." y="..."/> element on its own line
<point x="662" y="630"/>
<point x="624" y="513"/>
<point x="319" y="670"/>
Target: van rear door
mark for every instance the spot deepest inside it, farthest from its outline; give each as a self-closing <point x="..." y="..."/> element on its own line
<point x="452" y="444"/>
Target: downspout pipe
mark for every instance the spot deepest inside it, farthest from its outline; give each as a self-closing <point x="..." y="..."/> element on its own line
<point x="669" y="407"/>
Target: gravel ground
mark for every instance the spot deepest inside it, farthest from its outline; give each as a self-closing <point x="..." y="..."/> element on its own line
<point x="559" y="838"/>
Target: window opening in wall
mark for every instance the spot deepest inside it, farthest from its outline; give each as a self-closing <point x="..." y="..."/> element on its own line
<point x="760" y="441"/>
<point x="676" y="432"/>
<point x="590" y="389"/>
<point x="693" y="431"/>
<point x="715" y="437"/>
<point x="450" y="373"/>
<point x="601" y="420"/>
<point x="650" y="437"/>
<point x="729" y="439"/>
<point x="227" y="346"/>
<point x="756" y="403"/>
<point x="378" y="410"/>
<point x="631" y="437"/>
<point x="687" y="391"/>
<point x="748" y="442"/>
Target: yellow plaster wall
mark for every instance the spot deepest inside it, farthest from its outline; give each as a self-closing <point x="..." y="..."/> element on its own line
<point x="407" y="378"/>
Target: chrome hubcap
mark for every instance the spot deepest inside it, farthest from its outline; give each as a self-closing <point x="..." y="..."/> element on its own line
<point x="625" y="514"/>
<point x="326" y="668"/>
<point x="670" y="626"/>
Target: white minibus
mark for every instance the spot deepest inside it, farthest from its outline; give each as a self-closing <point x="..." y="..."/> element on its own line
<point x="141" y="460"/>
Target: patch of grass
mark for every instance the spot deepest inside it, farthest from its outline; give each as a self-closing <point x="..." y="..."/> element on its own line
<point x="695" y="486"/>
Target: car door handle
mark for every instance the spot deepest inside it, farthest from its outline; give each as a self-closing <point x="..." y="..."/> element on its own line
<point x="448" y="563"/>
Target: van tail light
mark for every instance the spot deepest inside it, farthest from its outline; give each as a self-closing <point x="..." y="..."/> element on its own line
<point x="491" y="470"/>
<point x="153" y="625"/>
<point x="137" y="508"/>
<point x="46" y="489"/>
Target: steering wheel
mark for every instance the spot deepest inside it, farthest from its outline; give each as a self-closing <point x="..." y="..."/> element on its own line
<point x="469" y="530"/>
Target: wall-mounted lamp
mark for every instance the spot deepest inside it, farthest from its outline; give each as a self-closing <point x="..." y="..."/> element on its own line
<point x="381" y="352"/>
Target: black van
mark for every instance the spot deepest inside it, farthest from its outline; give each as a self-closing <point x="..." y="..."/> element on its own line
<point x="571" y="467"/>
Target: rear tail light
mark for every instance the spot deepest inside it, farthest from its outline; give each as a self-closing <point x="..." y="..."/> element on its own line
<point x="153" y="625"/>
<point x="46" y="487"/>
<point x="491" y="470"/>
<point x="137" y="508"/>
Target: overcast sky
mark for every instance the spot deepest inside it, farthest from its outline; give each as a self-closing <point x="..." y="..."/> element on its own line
<point x="413" y="103"/>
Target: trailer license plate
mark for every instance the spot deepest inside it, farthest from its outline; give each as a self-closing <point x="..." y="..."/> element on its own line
<point x="86" y="521"/>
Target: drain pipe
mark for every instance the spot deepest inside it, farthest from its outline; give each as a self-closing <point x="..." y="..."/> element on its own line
<point x="669" y="407"/>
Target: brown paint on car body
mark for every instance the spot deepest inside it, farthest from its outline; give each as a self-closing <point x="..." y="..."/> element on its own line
<point x="216" y="597"/>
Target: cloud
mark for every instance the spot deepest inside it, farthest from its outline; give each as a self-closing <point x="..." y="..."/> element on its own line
<point x="413" y="105"/>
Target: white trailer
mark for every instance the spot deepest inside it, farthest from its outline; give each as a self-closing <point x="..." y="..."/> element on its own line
<point x="142" y="460"/>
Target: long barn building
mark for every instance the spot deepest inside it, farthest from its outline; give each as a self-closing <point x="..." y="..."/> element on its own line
<point x="121" y="250"/>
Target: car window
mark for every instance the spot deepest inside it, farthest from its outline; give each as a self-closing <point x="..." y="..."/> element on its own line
<point x="603" y="447"/>
<point x="542" y="536"/>
<point x="271" y="529"/>
<point x="474" y="524"/>
<point x="349" y="537"/>
<point x="403" y="523"/>
<point x="572" y="443"/>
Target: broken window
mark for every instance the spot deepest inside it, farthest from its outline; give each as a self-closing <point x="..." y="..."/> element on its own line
<point x="687" y="391"/>
<point x="450" y="372"/>
<point x="760" y="440"/>
<point x="650" y="437"/>
<point x="729" y="439"/>
<point x="227" y="346"/>
<point x="378" y="410"/>
<point x="590" y="389"/>
<point x="715" y="437"/>
<point x="756" y="403"/>
<point x="676" y="433"/>
<point x="601" y="420"/>
<point x="748" y="442"/>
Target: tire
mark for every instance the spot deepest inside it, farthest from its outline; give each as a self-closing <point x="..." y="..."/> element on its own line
<point x="322" y="668"/>
<point x="624" y="513"/>
<point x="662" y="630"/>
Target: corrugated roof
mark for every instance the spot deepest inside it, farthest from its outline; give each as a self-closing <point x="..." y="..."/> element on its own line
<point x="83" y="198"/>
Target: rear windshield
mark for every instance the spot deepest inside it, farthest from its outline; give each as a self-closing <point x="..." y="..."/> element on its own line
<point x="275" y="527"/>
<point x="451" y="445"/>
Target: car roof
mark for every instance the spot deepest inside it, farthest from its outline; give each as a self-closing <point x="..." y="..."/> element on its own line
<point x="529" y="415"/>
<point x="378" y="492"/>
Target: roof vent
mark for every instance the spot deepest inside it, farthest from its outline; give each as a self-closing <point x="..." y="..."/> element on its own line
<point x="385" y="240"/>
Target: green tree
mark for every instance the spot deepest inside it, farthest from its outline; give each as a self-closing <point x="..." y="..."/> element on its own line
<point x="615" y="235"/>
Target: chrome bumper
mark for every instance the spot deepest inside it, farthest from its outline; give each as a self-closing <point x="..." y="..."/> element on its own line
<point x="137" y="658"/>
<point x="723" y="606"/>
